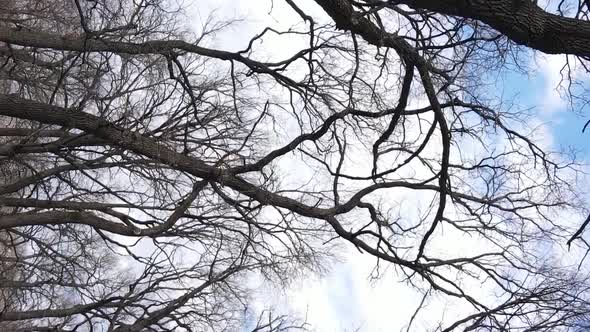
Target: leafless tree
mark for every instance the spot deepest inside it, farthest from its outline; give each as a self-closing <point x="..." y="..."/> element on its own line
<point x="148" y="179"/>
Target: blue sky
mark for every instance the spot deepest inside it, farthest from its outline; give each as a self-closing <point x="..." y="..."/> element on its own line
<point x="538" y="90"/>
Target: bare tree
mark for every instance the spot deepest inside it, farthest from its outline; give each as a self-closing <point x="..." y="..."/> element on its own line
<point x="149" y="179"/>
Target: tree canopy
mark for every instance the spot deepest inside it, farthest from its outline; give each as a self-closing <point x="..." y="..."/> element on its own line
<point x="153" y="175"/>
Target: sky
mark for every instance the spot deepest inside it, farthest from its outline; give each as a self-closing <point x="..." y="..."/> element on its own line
<point x="540" y="90"/>
<point x="347" y="298"/>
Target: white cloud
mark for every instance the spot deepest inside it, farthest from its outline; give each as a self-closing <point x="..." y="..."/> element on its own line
<point x="346" y="298"/>
<point x="552" y="98"/>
